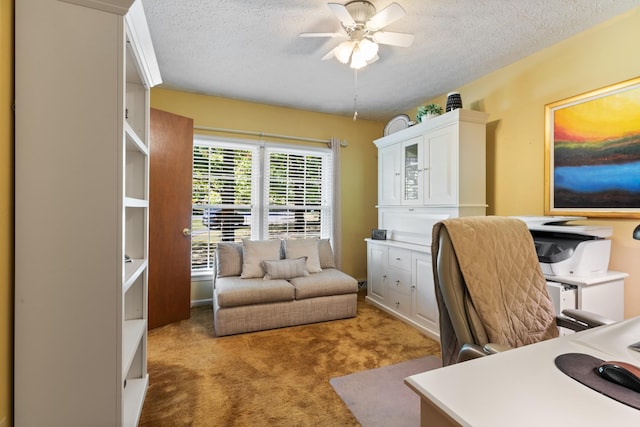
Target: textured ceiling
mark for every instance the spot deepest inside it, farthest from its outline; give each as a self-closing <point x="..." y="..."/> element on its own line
<point x="251" y="49"/>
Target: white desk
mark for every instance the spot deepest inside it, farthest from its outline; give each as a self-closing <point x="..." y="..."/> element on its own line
<point x="601" y="293"/>
<point x="523" y="386"/>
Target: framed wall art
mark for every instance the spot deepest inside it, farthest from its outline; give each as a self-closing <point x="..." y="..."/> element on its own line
<point x="592" y="153"/>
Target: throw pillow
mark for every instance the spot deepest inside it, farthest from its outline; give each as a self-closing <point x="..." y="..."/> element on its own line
<point x="285" y="269"/>
<point x="298" y="248"/>
<point x="326" y="254"/>
<point x="228" y="259"/>
<point x="256" y="251"/>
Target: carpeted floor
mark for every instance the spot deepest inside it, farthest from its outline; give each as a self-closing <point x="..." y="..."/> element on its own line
<point x="278" y="377"/>
<point x="388" y="400"/>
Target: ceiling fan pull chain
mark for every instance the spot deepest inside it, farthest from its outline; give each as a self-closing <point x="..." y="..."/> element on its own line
<point x="355" y="94"/>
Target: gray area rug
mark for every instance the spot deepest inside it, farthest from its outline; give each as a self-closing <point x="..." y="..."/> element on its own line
<point x="379" y="397"/>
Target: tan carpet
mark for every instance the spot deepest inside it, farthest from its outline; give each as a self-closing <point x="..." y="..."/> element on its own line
<point x="278" y="377"/>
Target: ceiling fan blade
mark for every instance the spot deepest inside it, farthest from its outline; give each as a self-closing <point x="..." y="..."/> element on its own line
<point x="323" y="35"/>
<point x="386" y="16"/>
<point x="330" y="54"/>
<point x="342" y="14"/>
<point x="393" y="39"/>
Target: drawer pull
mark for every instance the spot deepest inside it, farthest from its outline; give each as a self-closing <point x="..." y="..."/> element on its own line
<point x="398" y="259"/>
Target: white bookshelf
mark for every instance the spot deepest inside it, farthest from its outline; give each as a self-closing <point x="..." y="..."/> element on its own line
<point x="84" y="69"/>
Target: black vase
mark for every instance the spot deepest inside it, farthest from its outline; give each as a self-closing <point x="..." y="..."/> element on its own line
<point x="454" y="101"/>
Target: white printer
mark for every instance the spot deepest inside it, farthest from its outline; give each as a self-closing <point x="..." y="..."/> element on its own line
<point x="569" y="250"/>
<point x="575" y="261"/>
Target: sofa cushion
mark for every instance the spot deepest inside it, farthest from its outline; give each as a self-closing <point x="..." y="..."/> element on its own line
<point x="298" y="248"/>
<point x="256" y="251"/>
<point x="228" y="259"/>
<point x="234" y="291"/>
<point x="325" y="253"/>
<point x="328" y="282"/>
<point x="285" y="268"/>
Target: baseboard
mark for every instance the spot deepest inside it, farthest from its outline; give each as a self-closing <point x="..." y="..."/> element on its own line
<point x="194" y="303"/>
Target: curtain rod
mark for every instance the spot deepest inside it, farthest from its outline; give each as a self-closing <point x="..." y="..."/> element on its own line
<point x="268" y="135"/>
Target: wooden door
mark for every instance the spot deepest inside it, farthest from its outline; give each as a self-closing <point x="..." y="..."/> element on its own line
<point x="170" y="171"/>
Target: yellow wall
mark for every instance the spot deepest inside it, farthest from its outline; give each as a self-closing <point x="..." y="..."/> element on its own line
<point x="6" y="210"/>
<point x="515" y="97"/>
<point x="358" y="170"/>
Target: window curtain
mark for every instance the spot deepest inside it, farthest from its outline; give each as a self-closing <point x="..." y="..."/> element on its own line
<point x="337" y="205"/>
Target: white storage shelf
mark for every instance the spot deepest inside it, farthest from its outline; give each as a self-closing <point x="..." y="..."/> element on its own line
<point x="132" y="333"/>
<point x="134" y="394"/>
<point x="130" y="202"/>
<point x="133" y="270"/>
<point x="135" y="232"/>
<point x="73" y="325"/>
<point x="136" y="166"/>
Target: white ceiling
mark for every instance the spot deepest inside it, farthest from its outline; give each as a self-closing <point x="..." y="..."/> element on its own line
<point x="251" y="49"/>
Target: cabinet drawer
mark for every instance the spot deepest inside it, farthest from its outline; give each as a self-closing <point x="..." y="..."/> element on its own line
<point x="399" y="302"/>
<point x="399" y="280"/>
<point x="400" y="258"/>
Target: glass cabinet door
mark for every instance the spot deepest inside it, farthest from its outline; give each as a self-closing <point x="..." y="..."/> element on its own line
<point x="411" y="166"/>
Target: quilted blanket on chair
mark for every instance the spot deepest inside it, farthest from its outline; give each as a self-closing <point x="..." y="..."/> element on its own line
<point x="505" y="284"/>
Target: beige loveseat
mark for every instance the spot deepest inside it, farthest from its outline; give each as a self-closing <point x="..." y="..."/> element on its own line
<point x="266" y="284"/>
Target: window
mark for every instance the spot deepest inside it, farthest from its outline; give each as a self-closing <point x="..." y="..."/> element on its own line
<point x="259" y="191"/>
<point x="298" y="193"/>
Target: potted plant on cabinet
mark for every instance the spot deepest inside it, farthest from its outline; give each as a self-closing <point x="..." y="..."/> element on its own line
<point x="428" y="111"/>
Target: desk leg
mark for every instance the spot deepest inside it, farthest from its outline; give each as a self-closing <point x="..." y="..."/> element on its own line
<point x="432" y="416"/>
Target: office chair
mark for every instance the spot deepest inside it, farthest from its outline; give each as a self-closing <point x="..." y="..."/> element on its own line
<point x="490" y="289"/>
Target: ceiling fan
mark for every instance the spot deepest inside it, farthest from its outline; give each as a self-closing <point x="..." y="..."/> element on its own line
<point x="361" y="25"/>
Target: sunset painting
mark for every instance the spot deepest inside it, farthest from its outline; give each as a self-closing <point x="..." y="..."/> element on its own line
<point x="595" y="159"/>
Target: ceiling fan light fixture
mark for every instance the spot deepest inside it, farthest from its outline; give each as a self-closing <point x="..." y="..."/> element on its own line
<point x="368" y="49"/>
<point x="361" y="23"/>
<point x="360" y="11"/>
<point x="357" y="61"/>
<point x="343" y="51"/>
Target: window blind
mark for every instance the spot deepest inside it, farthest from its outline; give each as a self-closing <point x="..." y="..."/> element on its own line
<point x="242" y="192"/>
<point x="221" y="198"/>
<point x="298" y="193"/>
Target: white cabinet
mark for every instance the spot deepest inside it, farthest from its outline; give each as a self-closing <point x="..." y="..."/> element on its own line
<point x="376" y="274"/>
<point x="430" y="169"/>
<point x="412" y="171"/>
<point x="425" y="306"/>
<point x="426" y="173"/>
<point x="601" y="293"/>
<point x="83" y="73"/>
<point x="389" y="172"/>
<point x="400" y="281"/>
<point x="442" y="164"/>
